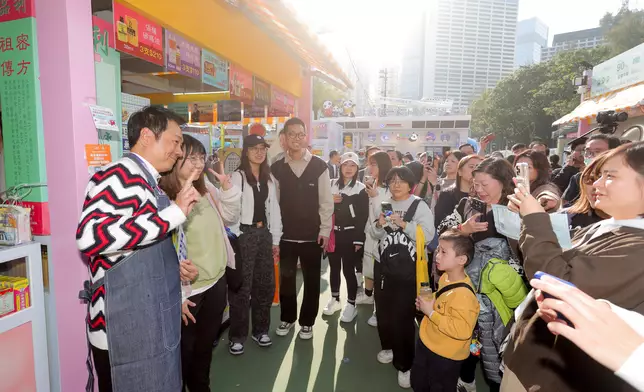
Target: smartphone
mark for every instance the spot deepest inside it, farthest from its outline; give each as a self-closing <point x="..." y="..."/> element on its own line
<point x="480" y="207"/>
<point x="369" y="181"/>
<point x="541" y="274"/>
<point x="387" y="208"/>
<point x="523" y="175"/>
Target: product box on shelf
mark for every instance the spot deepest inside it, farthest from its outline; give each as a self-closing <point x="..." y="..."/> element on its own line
<point x="19" y="287"/>
<point x="15" y="225"/>
<point x="7" y="305"/>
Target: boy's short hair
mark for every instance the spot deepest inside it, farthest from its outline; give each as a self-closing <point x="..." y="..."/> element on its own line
<point x="462" y="243"/>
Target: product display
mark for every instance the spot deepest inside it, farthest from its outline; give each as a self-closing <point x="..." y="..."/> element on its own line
<point x="6" y="302"/>
<point x="14" y="289"/>
<point x="15" y="225"/>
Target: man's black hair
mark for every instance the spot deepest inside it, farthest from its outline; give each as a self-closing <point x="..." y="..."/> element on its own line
<point x="398" y="154"/>
<point x="155" y="118"/>
<point x="333" y="153"/>
<point x="292" y="121"/>
<point x="404" y="173"/>
<point x="467" y="145"/>
<point x="578" y="142"/>
<point x="612" y="141"/>
<point x="518" y="146"/>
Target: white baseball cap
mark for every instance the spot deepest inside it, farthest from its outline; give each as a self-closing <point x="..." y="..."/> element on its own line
<point x="350" y="156"/>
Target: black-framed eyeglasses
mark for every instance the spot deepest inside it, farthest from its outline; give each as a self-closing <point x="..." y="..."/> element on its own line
<point x="296" y="136"/>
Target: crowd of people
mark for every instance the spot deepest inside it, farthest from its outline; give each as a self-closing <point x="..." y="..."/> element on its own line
<point x="171" y="240"/>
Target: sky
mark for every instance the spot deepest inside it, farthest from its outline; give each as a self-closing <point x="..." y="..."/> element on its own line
<point x="362" y="28"/>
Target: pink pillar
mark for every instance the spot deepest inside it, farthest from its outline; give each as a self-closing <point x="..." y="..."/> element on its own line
<point x="305" y="103"/>
<point x="67" y="84"/>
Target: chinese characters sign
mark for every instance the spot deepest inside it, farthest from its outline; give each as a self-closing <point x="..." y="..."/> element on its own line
<point x="16" y="9"/>
<point x="137" y="35"/>
<point x="241" y="84"/>
<point x="282" y="104"/>
<point x="182" y="56"/>
<point x="262" y="93"/>
<point x="22" y="115"/>
<point x="620" y="71"/>
<point x="214" y="70"/>
<point x="103" y="34"/>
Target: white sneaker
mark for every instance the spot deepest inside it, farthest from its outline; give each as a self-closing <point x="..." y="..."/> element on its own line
<point x="404" y="379"/>
<point x="463" y="386"/>
<point x="306" y="333"/>
<point x="284" y="328"/>
<point x="349" y="313"/>
<point x="386" y="356"/>
<point x="373" y="320"/>
<point x="364" y="299"/>
<point x="331" y="307"/>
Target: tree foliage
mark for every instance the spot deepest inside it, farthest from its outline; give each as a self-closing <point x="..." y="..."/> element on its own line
<point x="323" y="91"/>
<point x="524" y="105"/>
<point x="624" y="30"/>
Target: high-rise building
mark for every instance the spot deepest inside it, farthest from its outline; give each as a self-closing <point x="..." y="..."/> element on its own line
<point x="413" y="60"/>
<point x="532" y="37"/>
<point x="582" y="39"/>
<point x="469" y="47"/>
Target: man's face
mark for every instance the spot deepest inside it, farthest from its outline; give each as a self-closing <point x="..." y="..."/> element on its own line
<point x="163" y="153"/>
<point x="467" y="150"/>
<point x="336" y="159"/>
<point x="296" y="137"/>
<point x="542" y="148"/>
<point x="395" y="162"/>
<point x="594" y="148"/>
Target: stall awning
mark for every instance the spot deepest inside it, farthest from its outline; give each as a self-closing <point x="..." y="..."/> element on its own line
<point x="621" y="100"/>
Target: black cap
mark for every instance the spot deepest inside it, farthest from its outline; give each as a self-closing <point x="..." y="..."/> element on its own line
<point x="253" y="140"/>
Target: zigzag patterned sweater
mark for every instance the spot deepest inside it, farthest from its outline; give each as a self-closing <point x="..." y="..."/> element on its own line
<point x="119" y="215"/>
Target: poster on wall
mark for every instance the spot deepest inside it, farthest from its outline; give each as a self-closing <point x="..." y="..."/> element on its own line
<point x="241" y="84"/>
<point x="347" y="141"/>
<point x="282" y="104"/>
<point x="214" y="70"/>
<point x="201" y="112"/>
<point x="137" y="35"/>
<point x="228" y="111"/>
<point x="182" y="56"/>
<point x="262" y="91"/>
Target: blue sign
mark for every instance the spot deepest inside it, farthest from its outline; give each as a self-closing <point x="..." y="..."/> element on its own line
<point x="214" y="70"/>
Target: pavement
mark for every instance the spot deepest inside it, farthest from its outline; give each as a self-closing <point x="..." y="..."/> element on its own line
<point x="340" y="357"/>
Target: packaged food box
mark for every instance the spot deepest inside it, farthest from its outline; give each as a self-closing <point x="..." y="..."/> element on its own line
<point x="7" y="305"/>
<point x="19" y="287"/>
<point x="15" y="225"/>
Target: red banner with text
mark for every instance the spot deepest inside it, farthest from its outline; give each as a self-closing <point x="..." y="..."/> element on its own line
<point x="137" y="35"/>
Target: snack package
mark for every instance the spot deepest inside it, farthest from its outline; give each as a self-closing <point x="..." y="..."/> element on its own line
<point x="6" y="302"/>
<point x="15" y="225"/>
<point x="19" y="287"/>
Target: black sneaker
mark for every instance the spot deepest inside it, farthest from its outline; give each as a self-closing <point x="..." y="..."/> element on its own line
<point x="235" y="348"/>
<point x="306" y="333"/>
<point x="262" y="340"/>
<point x="284" y="328"/>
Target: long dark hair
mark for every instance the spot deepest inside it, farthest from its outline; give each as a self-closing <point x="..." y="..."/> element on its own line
<point x="341" y="179"/>
<point x="461" y="164"/>
<point x="384" y="165"/>
<point x="170" y="182"/>
<point x="502" y="171"/>
<point x="264" y="169"/>
<point x="540" y="164"/>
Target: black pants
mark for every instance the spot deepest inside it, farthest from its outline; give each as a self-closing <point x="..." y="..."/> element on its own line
<point x="310" y="255"/>
<point x="433" y="373"/>
<point x="344" y="258"/>
<point x="258" y="285"/>
<point x="468" y="373"/>
<point x="396" y="310"/>
<point x="103" y="369"/>
<point x="197" y="339"/>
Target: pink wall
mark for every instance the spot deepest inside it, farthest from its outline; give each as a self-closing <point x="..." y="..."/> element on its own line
<point x="68" y="86"/>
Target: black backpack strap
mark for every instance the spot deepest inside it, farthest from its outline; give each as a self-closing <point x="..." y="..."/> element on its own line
<point x="409" y="215"/>
<point x="452" y="287"/>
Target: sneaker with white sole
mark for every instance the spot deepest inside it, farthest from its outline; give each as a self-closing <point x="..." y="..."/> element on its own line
<point x="263" y="340"/>
<point x="306" y="333"/>
<point x="331" y="307"/>
<point x="364" y="299"/>
<point x="404" y="379"/>
<point x="463" y="386"/>
<point x="235" y="348"/>
<point x="349" y="313"/>
<point x="386" y="356"/>
<point x="373" y="320"/>
<point x="284" y="328"/>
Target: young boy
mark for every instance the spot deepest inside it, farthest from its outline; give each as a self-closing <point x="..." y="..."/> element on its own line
<point x="450" y="317"/>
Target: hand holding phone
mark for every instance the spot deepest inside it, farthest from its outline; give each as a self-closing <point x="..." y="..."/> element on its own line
<point x="387" y="208"/>
<point x="539" y="275"/>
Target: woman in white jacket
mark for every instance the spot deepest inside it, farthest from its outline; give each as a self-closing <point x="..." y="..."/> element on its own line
<point x="379" y="166"/>
<point x="259" y="231"/>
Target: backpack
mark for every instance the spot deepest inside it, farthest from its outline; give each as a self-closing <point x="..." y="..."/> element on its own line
<point x="398" y="251"/>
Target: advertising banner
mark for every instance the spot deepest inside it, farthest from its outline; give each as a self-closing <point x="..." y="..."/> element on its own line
<point x="16" y="9"/>
<point x="262" y="92"/>
<point x="201" y="112"/>
<point x="282" y="104"/>
<point x="241" y="84"/>
<point x="182" y="56"/>
<point x="214" y="70"/>
<point x="103" y="34"/>
<point x="620" y="71"/>
<point x="137" y="35"/>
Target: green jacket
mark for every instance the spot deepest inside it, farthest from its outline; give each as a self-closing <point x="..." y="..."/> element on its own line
<point x="504" y="286"/>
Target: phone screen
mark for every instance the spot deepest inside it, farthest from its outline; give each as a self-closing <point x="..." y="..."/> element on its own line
<point x="387" y="209"/>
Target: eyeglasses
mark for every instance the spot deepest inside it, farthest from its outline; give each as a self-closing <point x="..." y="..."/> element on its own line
<point x="396" y="182"/>
<point x="257" y="149"/>
<point x="591" y="153"/>
<point x="296" y="136"/>
<point x="197" y="159"/>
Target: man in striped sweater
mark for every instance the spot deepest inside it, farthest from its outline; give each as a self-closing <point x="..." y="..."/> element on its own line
<point x="126" y="222"/>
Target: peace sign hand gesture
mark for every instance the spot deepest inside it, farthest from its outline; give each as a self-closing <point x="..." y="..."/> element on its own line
<point x="223" y="179"/>
<point x="188" y="196"/>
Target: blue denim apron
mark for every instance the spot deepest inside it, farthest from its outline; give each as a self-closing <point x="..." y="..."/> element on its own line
<point x="143" y="314"/>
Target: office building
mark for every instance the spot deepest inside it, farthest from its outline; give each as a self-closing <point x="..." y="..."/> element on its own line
<point x="532" y="37"/>
<point x="582" y="39"/>
<point x="413" y="60"/>
<point x="469" y="47"/>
